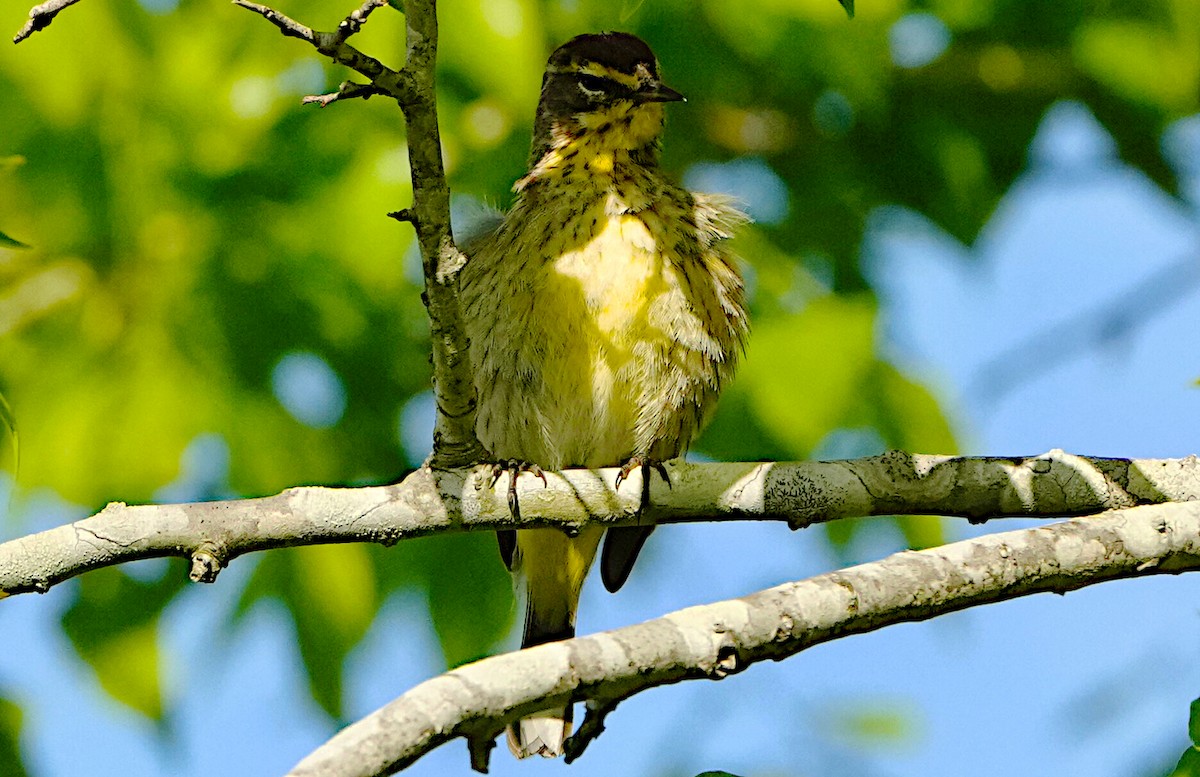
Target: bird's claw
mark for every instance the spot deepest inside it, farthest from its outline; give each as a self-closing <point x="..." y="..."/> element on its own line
<point x="515" y="467"/>
<point x="645" y="464"/>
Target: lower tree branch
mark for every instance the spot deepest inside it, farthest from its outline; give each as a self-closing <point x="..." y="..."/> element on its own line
<point x="427" y="502"/>
<point x="716" y="640"/>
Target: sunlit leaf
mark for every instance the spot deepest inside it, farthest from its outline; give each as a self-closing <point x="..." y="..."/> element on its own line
<point x="629" y="8"/>
<point x="128" y="668"/>
<point x="804" y="373"/>
<point x="878" y="726"/>
<point x="908" y="415"/>
<point x="1141" y="61"/>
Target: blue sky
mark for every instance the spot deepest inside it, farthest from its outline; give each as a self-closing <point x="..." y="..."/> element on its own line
<point x="1097" y="682"/>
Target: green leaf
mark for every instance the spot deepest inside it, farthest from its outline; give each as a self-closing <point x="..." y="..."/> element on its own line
<point x="9" y="242"/>
<point x="10" y="743"/>
<point x="113" y="625"/>
<point x="849" y="6"/>
<point x="1194" y="723"/>
<point x="1189" y="764"/>
<point x="332" y="594"/>
<point x="907" y="414"/>
<point x="9" y="419"/>
<point x="804" y="373"/>
<point x="470" y="595"/>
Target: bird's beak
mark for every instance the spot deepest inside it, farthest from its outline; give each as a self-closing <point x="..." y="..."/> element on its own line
<point x="658" y="92"/>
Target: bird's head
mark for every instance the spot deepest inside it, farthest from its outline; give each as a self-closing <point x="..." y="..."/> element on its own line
<point x="604" y="87"/>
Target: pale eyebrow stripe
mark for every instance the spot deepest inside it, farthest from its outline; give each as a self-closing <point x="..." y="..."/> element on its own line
<point x="600" y="71"/>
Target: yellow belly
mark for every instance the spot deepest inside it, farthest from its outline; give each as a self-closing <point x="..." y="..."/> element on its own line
<point x="596" y="299"/>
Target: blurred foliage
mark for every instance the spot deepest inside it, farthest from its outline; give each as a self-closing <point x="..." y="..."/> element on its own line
<point x="10" y="746"/>
<point x="331" y="592"/>
<point x="191" y="225"/>
<point x="123" y="651"/>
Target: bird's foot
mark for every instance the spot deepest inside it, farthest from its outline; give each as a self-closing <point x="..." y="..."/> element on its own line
<point x="515" y="467"/>
<point x="645" y="464"/>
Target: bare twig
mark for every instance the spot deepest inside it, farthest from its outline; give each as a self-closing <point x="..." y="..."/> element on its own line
<point x="40" y="17"/>
<point x="212" y="534"/>
<point x="286" y="25"/>
<point x="716" y="640"/>
<point x="347" y="91"/>
<point x="354" y="22"/>
<point x="334" y="46"/>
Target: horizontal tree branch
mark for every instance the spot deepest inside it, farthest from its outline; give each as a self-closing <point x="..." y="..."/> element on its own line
<point x="716" y="640"/>
<point x="435" y="501"/>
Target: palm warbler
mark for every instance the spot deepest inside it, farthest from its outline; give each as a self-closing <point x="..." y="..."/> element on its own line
<point x="604" y="312"/>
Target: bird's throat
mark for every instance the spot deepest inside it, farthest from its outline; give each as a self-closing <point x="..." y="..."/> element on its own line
<point x="596" y="147"/>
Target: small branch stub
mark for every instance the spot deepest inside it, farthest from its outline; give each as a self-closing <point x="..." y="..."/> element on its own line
<point x="354" y="22"/>
<point x="205" y="566"/>
<point x="591" y="728"/>
<point x="480" y="749"/>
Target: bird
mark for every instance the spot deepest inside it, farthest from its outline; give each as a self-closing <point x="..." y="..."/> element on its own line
<point x="605" y="312"/>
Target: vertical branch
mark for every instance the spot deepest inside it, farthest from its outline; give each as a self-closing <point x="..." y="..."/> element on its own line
<point x="454" y="440"/>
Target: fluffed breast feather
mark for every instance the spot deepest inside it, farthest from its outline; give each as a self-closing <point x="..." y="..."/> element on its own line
<point x="602" y="327"/>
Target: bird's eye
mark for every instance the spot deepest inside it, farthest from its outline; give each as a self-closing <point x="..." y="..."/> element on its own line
<point x="592" y="84"/>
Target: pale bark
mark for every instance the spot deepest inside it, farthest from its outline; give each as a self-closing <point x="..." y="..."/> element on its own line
<point x="435" y="501"/>
<point x="716" y="640"/>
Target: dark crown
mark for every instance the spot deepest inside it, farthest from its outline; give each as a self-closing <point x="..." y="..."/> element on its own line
<point x="619" y="51"/>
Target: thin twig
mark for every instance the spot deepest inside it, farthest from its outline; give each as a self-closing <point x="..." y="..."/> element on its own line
<point x="40" y="17"/>
<point x="286" y="24"/>
<point x="348" y="90"/>
<point x="354" y="22"/>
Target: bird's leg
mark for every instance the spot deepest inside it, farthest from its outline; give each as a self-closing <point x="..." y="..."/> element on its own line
<point x="515" y="467"/>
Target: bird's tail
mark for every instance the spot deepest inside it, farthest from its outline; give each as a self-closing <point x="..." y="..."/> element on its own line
<point x="554" y="567"/>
